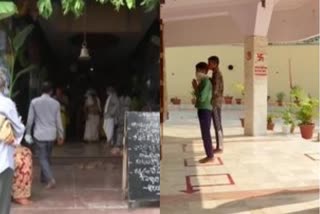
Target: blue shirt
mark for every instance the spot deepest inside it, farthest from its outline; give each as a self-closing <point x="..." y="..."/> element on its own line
<point x="44" y="115"/>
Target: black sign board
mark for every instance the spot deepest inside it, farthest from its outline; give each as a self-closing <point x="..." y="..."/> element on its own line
<point x="143" y="145"/>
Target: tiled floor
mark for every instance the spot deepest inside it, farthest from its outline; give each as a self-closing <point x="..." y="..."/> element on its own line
<point x="84" y="185"/>
<point x="270" y="174"/>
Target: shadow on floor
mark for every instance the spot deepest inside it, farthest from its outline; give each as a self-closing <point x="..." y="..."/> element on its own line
<point x="308" y="211"/>
<point x="281" y="198"/>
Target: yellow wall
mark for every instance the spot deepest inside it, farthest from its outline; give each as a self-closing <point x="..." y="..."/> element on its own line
<point x="180" y="70"/>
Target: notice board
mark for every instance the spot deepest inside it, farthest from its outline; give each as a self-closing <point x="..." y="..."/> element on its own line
<point x="143" y="155"/>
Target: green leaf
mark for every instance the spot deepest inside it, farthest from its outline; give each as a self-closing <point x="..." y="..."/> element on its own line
<point x="21" y="56"/>
<point x="45" y="8"/>
<point x="150" y="5"/>
<point x="7" y="9"/>
<point x="117" y="4"/>
<point x="131" y="4"/>
<point x="20" y="74"/>
<point x="26" y="70"/>
<point x="21" y="37"/>
<point x="102" y="1"/>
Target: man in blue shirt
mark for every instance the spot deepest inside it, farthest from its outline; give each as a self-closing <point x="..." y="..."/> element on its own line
<point x="44" y="114"/>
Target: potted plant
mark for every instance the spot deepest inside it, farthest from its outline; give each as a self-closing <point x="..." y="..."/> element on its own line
<point x="270" y="123"/>
<point x="240" y="89"/>
<point x="242" y="122"/>
<point x="288" y="121"/>
<point x="228" y="99"/>
<point x="175" y="101"/>
<point x="280" y="98"/>
<point x="306" y="112"/>
<point x="297" y="94"/>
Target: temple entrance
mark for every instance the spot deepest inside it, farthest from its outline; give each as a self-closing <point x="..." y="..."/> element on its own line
<point x="123" y="53"/>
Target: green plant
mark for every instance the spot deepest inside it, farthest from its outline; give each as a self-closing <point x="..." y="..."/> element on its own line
<point x="240" y="88"/>
<point x="7" y="9"/>
<point x="280" y="96"/>
<point x="270" y="118"/>
<point x="77" y="7"/>
<point x="297" y="93"/>
<point x="16" y="40"/>
<point x="307" y="111"/>
<point x="288" y="116"/>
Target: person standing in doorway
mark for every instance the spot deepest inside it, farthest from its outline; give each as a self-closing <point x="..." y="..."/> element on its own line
<point x="217" y="99"/>
<point x="111" y="111"/>
<point x="92" y="109"/>
<point x="44" y="115"/>
<point x="8" y="112"/>
<point x="64" y="105"/>
<point x="203" y="104"/>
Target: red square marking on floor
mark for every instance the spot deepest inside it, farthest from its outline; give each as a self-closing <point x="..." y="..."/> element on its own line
<point x="190" y="162"/>
<point x="192" y="182"/>
<point x="199" y="148"/>
<point x="313" y="156"/>
<point x="210" y="180"/>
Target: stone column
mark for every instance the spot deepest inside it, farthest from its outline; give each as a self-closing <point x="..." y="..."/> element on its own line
<point x="256" y="85"/>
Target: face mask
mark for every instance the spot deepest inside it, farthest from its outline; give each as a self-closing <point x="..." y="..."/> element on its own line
<point x="199" y="76"/>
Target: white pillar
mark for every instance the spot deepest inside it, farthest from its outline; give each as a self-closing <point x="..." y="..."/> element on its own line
<point x="256" y="85"/>
<point x="253" y="20"/>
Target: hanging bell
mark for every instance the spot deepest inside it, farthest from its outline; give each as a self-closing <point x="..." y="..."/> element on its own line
<point x="84" y="54"/>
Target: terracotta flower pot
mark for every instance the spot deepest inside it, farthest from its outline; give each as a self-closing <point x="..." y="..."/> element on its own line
<point x="280" y="103"/>
<point x="270" y="126"/>
<point x="242" y="122"/>
<point x="175" y="101"/>
<point x="239" y="101"/>
<point x="228" y="100"/>
<point x="306" y="131"/>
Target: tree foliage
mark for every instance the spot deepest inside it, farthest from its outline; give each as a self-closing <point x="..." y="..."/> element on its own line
<point x="76" y="7"/>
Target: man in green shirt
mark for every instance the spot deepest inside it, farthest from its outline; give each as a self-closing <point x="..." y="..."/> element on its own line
<point x="204" y="106"/>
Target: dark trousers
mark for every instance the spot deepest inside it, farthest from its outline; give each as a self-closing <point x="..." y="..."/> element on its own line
<point x="217" y="123"/>
<point x="5" y="190"/>
<point x="43" y="151"/>
<point x="205" y="125"/>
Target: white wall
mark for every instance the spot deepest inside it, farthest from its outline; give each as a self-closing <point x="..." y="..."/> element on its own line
<point x="180" y="70"/>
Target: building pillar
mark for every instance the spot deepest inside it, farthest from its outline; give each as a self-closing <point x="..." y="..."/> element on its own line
<point x="256" y="85"/>
<point x="253" y="21"/>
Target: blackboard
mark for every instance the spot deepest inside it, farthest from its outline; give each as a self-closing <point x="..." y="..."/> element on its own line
<point x="143" y="151"/>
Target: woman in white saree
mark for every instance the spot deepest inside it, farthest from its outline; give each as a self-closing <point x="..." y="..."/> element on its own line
<point x="92" y="112"/>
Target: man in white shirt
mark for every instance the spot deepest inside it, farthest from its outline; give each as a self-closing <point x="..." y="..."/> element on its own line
<point x="111" y="111"/>
<point x="44" y="115"/>
<point x="8" y="109"/>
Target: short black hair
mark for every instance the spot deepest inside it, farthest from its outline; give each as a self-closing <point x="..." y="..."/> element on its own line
<point x="214" y="59"/>
<point x="201" y="66"/>
<point x="46" y="87"/>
